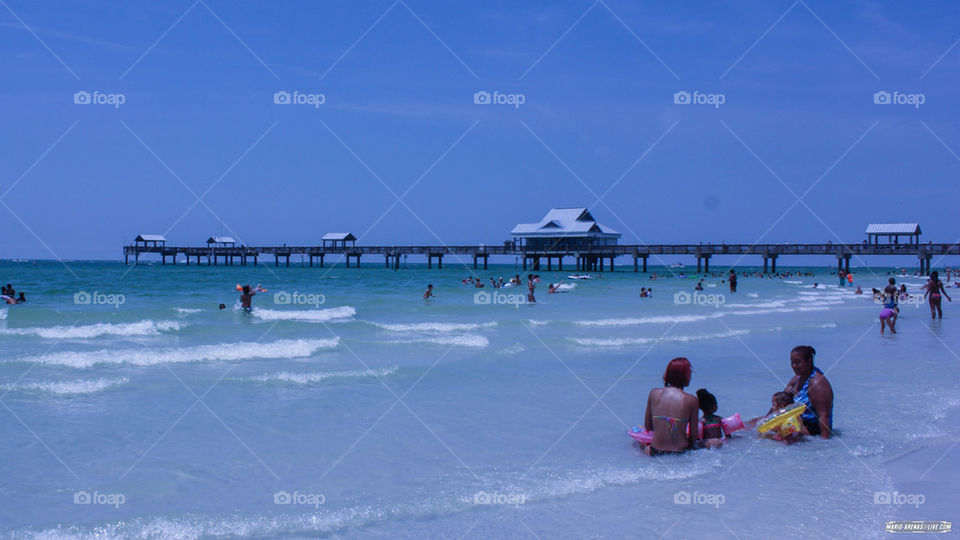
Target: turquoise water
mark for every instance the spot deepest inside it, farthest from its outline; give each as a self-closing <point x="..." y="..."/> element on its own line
<point x="382" y="415"/>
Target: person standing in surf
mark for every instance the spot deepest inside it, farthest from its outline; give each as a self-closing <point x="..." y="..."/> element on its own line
<point x="733" y="281"/>
<point x="531" y="286"/>
<point x="429" y="292"/>
<point x="934" y="288"/>
<point x="811" y="387"/>
<point x="246" y="298"/>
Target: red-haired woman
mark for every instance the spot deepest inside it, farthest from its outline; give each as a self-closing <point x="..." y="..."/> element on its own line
<point x="670" y="411"/>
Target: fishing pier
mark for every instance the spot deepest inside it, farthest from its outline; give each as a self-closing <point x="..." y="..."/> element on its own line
<point x="563" y="234"/>
<point x="597" y="258"/>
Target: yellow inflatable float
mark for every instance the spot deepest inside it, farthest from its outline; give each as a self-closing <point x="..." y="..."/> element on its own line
<point x="783" y="422"/>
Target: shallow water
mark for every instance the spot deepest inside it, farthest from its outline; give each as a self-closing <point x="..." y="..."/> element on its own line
<point x="387" y="416"/>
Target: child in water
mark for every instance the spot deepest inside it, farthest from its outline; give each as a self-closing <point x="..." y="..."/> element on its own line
<point x="246" y="298"/>
<point x="713" y="434"/>
<point x="790" y="431"/>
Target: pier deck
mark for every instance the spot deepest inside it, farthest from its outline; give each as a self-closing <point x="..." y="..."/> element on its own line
<point x="585" y="259"/>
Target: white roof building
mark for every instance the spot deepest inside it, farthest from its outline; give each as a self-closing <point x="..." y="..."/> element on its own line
<point x="338" y="239"/>
<point x="573" y="227"/>
<point x="222" y="240"/>
<point x="893" y="232"/>
<point x="153" y="238"/>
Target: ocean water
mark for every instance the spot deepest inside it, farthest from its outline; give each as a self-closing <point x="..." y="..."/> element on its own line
<point x="346" y="405"/>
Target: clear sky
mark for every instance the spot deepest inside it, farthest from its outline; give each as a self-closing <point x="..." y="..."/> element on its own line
<point x="598" y="83"/>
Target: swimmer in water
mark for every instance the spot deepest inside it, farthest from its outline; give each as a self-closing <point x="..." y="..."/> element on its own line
<point x="934" y="288"/>
<point x="246" y="299"/>
<point x="223" y="306"/>
<point x="429" y="292"/>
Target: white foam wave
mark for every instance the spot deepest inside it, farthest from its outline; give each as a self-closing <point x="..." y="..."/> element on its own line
<point x="69" y="387"/>
<point x="793" y="282"/>
<point x="632" y="321"/>
<point x="307" y="378"/>
<point x="621" y="342"/>
<point x="3" y="314"/>
<point x="464" y="340"/>
<point x="534" y="322"/>
<point x="434" y="326"/>
<point x="187" y="310"/>
<point x="284" y="348"/>
<point x="305" y="315"/>
<point x="753" y="295"/>
<point x="142" y="328"/>
<point x="778" y="310"/>
<point x="773" y="304"/>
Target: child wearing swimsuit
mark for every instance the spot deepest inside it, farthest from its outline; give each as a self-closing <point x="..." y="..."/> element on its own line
<point x="713" y="434"/>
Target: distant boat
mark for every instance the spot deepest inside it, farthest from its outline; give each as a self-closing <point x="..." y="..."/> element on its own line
<point x="677" y="265"/>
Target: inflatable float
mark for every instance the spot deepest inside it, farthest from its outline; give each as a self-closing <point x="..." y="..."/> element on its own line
<point x="783" y="422"/>
<point x="730" y="424"/>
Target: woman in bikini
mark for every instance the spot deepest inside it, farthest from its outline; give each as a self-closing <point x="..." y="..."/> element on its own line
<point x="934" y="288"/>
<point x="670" y="411"/>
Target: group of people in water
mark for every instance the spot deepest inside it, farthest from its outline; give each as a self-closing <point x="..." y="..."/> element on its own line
<point x="9" y="295"/>
<point x="515" y="281"/>
<point x="673" y="415"/>
<point x="891" y="297"/>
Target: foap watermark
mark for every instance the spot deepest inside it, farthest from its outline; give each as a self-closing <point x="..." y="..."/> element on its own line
<point x="104" y="499"/>
<point x="490" y="498"/>
<point x="484" y="298"/>
<point x="482" y="97"/>
<point x="96" y="298"/>
<point x="709" y="499"/>
<point x="97" y="97"/>
<point x="914" y="300"/>
<point x="298" y="498"/>
<point x="282" y="97"/>
<point x="696" y="298"/>
<point x="682" y="97"/>
<point x="897" y="498"/>
<point x="882" y="97"/>
<point x="297" y="298"/>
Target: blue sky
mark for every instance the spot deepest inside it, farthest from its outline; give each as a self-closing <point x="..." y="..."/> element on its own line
<point x="598" y="120"/>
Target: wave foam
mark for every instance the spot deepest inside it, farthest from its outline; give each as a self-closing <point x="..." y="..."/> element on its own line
<point x="3" y="314"/>
<point x="307" y="378"/>
<point x="187" y="310"/>
<point x="305" y="315"/>
<point x="465" y="340"/>
<point x="620" y="342"/>
<point x="631" y="321"/>
<point x="773" y="304"/>
<point x="284" y="348"/>
<point x="142" y="328"/>
<point x="69" y="387"/>
<point x="434" y="326"/>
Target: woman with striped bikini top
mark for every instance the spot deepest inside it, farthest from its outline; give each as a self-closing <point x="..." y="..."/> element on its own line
<point x="670" y="411"/>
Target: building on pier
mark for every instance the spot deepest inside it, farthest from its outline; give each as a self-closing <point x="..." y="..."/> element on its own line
<point x="221" y="241"/>
<point x="565" y="229"/>
<point x="893" y="232"/>
<point x="339" y="239"/>
<point x="150" y="240"/>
